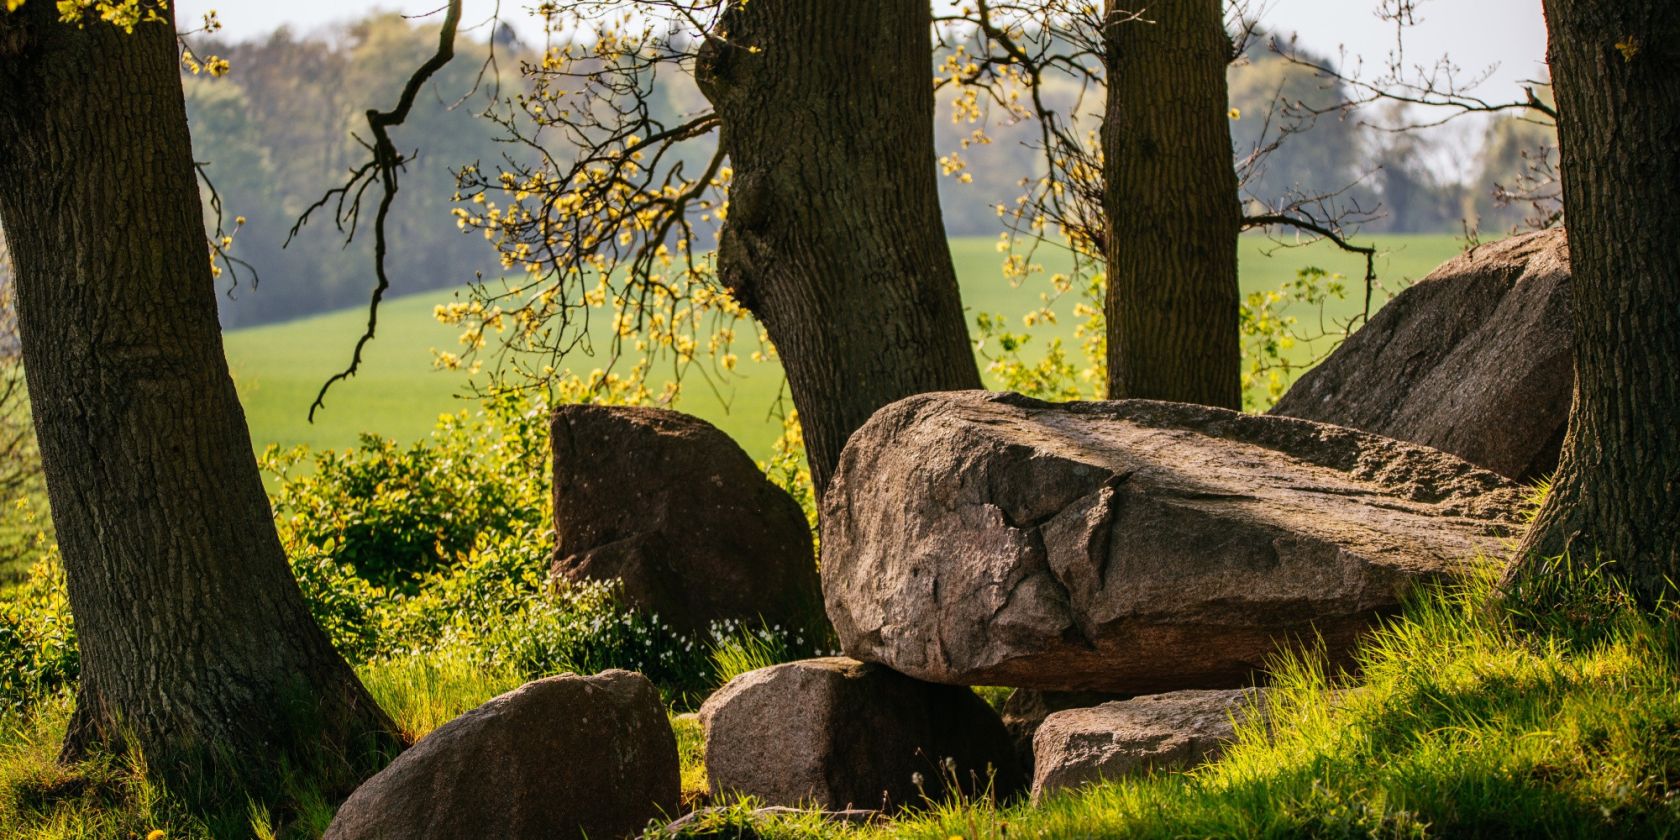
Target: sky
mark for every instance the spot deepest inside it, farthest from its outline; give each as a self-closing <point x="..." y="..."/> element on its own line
<point x="1478" y="34"/>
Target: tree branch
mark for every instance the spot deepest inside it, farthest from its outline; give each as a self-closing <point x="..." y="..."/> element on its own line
<point x="385" y="164"/>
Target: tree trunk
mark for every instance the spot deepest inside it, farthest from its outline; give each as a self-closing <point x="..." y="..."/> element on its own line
<point x="834" y="238"/>
<point x="1616" y="495"/>
<point x="195" y="641"/>
<point x="1172" y="208"/>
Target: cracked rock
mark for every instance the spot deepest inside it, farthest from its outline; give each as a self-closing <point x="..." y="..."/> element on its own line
<point x="1131" y="547"/>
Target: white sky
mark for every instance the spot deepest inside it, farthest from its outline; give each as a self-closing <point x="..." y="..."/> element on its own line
<point x="1476" y="33"/>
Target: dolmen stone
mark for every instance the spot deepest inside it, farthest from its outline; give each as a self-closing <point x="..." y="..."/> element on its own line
<point x="673" y="509"/>
<point x="1136" y="737"/>
<point x="1473" y="360"/>
<point x="1132" y="547"/>
<point x="843" y="735"/>
<point x="565" y="756"/>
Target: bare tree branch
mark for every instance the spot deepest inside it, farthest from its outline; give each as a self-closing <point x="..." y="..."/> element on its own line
<point x="382" y="168"/>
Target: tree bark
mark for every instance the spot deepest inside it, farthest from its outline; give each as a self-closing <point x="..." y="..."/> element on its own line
<point x="834" y="238"/>
<point x="195" y="641"/>
<point x="1171" y="202"/>
<point x="1615" y="498"/>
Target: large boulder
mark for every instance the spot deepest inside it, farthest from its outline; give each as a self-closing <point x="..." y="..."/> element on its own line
<point x="1131" y="547"/>
<point x="670" y="506"/>
<point x="566" y="756"/>
<point x="1136" y="737"/>
<point x="1474" y="360"/>
<point x="841" y="734"/>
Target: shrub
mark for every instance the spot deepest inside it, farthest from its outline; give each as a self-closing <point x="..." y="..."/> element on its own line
<point x="37" y="637"/>
<point x="439" y="550"/>
<point x="393" y="514"/>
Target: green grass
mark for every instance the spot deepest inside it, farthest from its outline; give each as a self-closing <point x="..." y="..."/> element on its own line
<point x="1469" y="722"/>
<point x="397" y="394"/>
<point x="1467" y="719"/>
<point x="109" y="797"/>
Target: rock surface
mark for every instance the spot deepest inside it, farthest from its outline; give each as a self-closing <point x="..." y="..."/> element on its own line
<point x="566" y="756"/>
<point x="1473" y="360"/>
<point x="1158" y="732"/>
<point x="1131" y="547"/>
<point x="841" y="734"/>
<point x="672" y="507"/>
<point x="1025" y="710"/>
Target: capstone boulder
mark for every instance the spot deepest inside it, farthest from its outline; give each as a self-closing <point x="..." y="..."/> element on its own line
<point x="1132" y="547"/>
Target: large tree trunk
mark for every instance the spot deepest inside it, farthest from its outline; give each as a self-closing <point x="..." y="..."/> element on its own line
<point x="1616" y="495"/>
<point x="834" y="238"/>
<point x="195" y="640"/>
<point x="1172" y="208"/>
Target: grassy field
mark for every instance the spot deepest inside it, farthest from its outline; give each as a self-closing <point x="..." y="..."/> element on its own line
<point x="397" y="394"/>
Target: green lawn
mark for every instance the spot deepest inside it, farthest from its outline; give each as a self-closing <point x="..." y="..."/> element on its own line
<point x="397" y="394"/>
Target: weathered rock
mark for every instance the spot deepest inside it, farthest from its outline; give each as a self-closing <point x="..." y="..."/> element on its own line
<point x="1131" y="547"/>
<point x="1026" y="709"/>
<point x="1473" y="360"/>
<point x="566" y="756"/>
<point x="842" y="734"/>
<point x="1134" y="737"/>
<point x="672" y="507"/>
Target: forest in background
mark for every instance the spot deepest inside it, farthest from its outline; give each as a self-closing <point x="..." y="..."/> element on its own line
<point x="278" y="129"/>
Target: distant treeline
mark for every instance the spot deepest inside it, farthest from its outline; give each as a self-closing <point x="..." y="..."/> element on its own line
<point x="281" y="129"/>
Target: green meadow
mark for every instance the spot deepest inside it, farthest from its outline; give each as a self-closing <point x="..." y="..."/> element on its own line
<point x="397" y="393"/>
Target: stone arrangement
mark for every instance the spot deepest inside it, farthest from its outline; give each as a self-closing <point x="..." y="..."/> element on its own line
<point x="1130" y="568"/>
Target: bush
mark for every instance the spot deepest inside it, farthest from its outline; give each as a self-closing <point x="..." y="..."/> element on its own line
<point x="442" y="549"/>
<point x="393" y="514"/>
<point x="496" y="608"/>
<point x="436" y="550"/>
<point x="37" y="637"/>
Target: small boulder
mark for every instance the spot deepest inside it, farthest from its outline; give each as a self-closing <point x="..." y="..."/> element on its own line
<point x="565" y="756"/>
<point x="1131" y="547"/>
<point x="1026" y="708"/>
<point x="1135" y="737"/>
<point x="841" y="735"/>
<point x="1473" y="360"/>
<point x="671" y="507"/>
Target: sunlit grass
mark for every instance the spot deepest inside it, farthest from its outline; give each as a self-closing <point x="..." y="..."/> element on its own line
<point x="1466" y="721"/>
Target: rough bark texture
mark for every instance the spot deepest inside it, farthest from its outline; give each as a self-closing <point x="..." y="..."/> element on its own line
<point x="562" y="757"/>
<point x="1473" y="360"/>
<point x="1131" y="546"/>
<point x="1616" y="494"/>
<point x="669" y="506"/>
<point x="193" y="634"/>
<point x="834" y="239"/>
<point x="1171" y="203"/>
